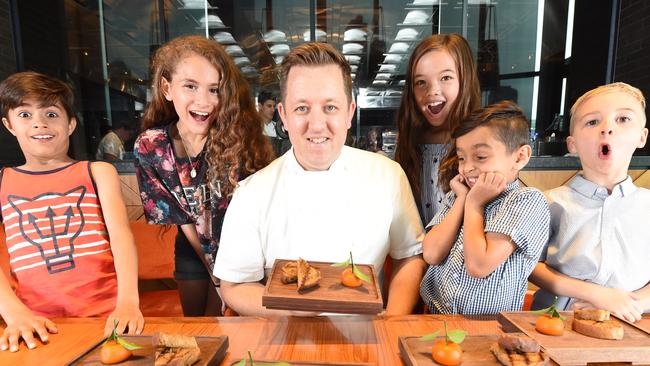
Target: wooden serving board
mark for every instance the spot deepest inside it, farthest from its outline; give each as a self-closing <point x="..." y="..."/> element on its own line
<point x="213" y="350"/>
<point x="476" y="351"/>
<point x="329" y="296"/>
<point x="643" y="324"/>
<point x="572" y="348"/>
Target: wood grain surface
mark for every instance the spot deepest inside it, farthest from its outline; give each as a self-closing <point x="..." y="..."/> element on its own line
<point x="643" y="324"/>
<point x="304" y="363"/>
<point x="330" y="296"/>
<point x="213" y="350"/>
<point x="335" y="339"/>
<point x="476" y="351"/>
<point x="572" y="348"/>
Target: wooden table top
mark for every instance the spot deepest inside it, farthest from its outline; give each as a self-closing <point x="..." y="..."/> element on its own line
<point x="336" y="339"/>
<point x="363" y="339"/>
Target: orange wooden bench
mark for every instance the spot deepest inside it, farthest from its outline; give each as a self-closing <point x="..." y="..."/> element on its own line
<point x="155" y="245"/>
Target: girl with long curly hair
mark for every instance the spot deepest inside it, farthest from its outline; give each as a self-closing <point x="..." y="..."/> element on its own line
<point x="201" y="136"/>
<point x="441" y="90"/>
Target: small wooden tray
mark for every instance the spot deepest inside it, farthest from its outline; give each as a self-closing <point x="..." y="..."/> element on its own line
<point x="330" y="296"/>
<point x="572" y="348"/>
<point x="213" y="350"/>
<point x="476" y="351"/>
<point x="643" y="324"/>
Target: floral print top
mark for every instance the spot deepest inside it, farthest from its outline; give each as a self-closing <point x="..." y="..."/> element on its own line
<point x="171" y="196"/>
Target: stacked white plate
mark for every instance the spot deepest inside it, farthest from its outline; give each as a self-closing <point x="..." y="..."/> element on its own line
<point x="234" y="50"/>
<point x="407" y="34"/>
<point x="416" y="17"/>
<point x="194" y="4"/>
<point x="393" y="59"/>
<point x="353" y="59"/>
<point x="279" y="49"/>
<point x="224" y="38"/>
<point x="355" y="35"/>
<point x="352" y="48"/>
<point x="212" y="21"/>
<point x="321" y="36"/>
<point x="275" y="35"/>
<point x="399" y="47"/>
<point x="241" y="61"/>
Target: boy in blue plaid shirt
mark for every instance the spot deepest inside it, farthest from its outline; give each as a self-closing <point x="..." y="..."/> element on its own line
<point x="488" y="236"/>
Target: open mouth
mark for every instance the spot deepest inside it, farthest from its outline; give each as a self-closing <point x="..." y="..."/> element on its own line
<point x="605" y="151"/>
<point x="200" y="116"/>
<point x="318" y="140"/>
<point x="470" y="181"/>
<point x="436" y="107"/>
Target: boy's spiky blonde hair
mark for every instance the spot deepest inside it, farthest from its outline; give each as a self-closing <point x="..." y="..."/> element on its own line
<point x="608" y="88"/>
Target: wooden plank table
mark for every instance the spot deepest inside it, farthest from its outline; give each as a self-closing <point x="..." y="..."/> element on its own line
<point x="362" y="339"/>
<point x="337" y="338"/>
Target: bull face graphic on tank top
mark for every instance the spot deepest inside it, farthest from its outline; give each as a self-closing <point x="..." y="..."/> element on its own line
<point x="53" y="226"/>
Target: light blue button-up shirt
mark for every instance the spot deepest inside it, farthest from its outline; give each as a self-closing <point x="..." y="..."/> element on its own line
<point x="598" y="237"/>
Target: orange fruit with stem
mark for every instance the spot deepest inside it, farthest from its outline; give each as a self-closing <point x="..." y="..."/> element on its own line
<point x="349" y="279"/>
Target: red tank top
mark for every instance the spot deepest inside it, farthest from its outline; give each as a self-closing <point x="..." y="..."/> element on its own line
<point x="57" y="241"/>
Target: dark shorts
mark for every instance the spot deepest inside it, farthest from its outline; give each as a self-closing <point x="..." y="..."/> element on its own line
<point x="188" y="264"/>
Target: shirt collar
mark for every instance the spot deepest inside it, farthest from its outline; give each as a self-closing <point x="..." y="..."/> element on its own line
<point x="338" y="165"/>
<point x="590" y="189"/>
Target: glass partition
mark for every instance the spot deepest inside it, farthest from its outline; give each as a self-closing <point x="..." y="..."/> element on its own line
<point x="520" y="47"/>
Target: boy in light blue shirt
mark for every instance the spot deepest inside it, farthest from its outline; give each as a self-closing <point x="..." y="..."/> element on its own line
<point x="597" y="255"/>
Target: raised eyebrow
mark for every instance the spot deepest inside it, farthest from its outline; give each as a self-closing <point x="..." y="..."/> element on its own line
<point x="50" y="106"/>
<point x="481" y="145"/>
<point x="196" y="82"/>
<point x="441" y="72"/>
<point x="625" y="109"/>
<point x="589" y="115"/>
<point x="331" y="100"/>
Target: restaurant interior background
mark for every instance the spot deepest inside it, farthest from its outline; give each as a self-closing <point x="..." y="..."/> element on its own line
<point x="541" y="53"/>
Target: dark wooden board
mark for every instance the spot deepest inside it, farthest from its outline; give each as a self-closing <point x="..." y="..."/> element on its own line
<point x="330" y="296"/>
<point x="572" y="348"/>
<point x="476" y="351"/>
<point x="213" y="350"/>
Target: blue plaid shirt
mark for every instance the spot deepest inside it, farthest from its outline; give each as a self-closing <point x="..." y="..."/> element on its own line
<point x="520" y="213"/>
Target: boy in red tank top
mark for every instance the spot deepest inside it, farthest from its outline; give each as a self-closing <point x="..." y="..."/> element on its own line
<point x="67" y="233"/>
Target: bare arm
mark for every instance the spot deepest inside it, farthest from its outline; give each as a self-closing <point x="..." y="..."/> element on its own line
<point x="246" y="299"/>
<point x="127" y="311"/>
<point x="483" y="252"/>
<point x="21" y="322"/>
<point x="404" y="290"/>
<point x="439" y="240"/>
<point x="619" y="302"/>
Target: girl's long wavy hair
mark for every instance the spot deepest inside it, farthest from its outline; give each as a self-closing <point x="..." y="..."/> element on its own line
<point x="411" y="122"/>
<point x="508" y="124"/>
<point x="236" y="146"/>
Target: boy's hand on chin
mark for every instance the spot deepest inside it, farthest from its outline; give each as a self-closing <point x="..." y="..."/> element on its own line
<point x="623" y="304"/>
<point x="458" y="186"/>
<point x="24" y="325"/>
<point x="126" y="316"/>
<point x="487" y="187"/>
